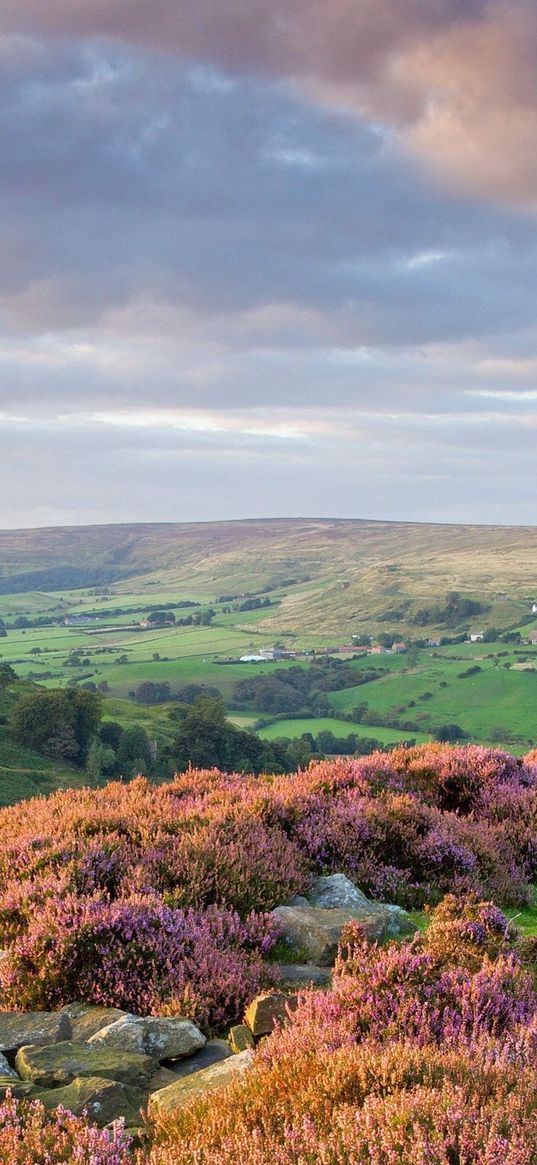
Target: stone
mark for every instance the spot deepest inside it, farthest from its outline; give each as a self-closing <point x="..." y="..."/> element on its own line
<point x="317" y="931"/>
<point x="336" y="892"/>
<point x="265" y="1011"/>
<point x="240" y="1038"/>
<point x="161" y="1079"/>
<point x="213" y="1053"/>
<point x="102" y="1100"/>
<point x="18" y="1088"/>
<point x="6" y="1069"/>
<point x="61" y="1063"/>
<point x="164" y="1039"/>
<point x="399" y="923"/>
<point x="199" y="1083"/>
<point x="32" y="1027"/>
<point x="304" y="975"/>
<point x="86" y="1019"/>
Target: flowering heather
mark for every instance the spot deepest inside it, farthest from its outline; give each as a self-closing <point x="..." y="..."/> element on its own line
<point x="413" y="1058"/>
<point x="150" y="898"/>
<point x="31" y="1136"/>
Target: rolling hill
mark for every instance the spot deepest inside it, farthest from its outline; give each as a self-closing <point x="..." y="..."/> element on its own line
<point x="336" y="574"/>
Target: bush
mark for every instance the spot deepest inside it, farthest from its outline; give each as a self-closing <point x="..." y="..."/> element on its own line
<point x="29" y="1135"/>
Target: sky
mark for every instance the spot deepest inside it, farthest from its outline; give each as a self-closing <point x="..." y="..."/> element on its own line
<point x="268" y="258"/>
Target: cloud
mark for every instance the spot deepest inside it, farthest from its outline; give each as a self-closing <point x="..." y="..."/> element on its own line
<point x="267" y="257"/>
<point x="457" y="78"/>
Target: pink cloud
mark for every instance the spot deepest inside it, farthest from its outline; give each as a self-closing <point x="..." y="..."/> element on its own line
<point x="456" y="78"/>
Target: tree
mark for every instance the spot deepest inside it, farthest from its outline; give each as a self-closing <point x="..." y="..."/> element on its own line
<point x="7" y="675"/>
<point x="60" y="722"/>
<point x="133" y="755"/>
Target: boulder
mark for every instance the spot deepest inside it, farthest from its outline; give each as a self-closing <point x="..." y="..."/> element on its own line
<point x="240" y="1038"/>
<point x="213" y="1053"/>
<point x="61" y="1063"/>
<point x="86" y="1019"/>
<point x="100" y="1099"/>
<point x="198" y="1083"/>
<point x="303" y="975"/>
<point x="336" y="892"/>
<point x="32" y="1027"/>
<point x="317" y="931"/>
<point x="265" y="1011"/>
<point x="164" y="1039"/>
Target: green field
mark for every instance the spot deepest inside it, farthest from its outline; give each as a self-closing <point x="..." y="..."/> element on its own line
<point x="326" y="580"/>
<point x="294" y="728"/>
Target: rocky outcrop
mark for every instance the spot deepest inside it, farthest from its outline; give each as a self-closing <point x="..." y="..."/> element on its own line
<point x="60" y="1064"/>
<point x="313" y="924"/>
<point x="218" y="1076"/>
<point x="163" y="1039"/>
<point x="87" y="1019"/>
<point x="102" y="1100"/>
<point x="32" y="1027"/>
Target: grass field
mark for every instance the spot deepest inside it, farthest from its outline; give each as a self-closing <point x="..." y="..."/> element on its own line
<point x="326" y="579"/>
<point x="294" y="728"/>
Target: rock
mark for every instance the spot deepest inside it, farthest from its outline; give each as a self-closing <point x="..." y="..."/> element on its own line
<point x="6" y="1069"/>
<point x="86" y="1019"/>
<point x="304" y="975"/>
<point x="32" y="1027"/>
<point x="197" y="1084"/>
<point x="213" y="1053"/>
<point x="164" y="1039"/>
<point x="100" y="1099"/>
<point x="161" y="1079"/>
<point x="265" y="1011"/>
<point x="18" y="1088"/>
<point x="61" y="1063"/>
<point x="240" y="1038"/>
<point x="399" y="923"/>
<point x="336" y="892"/>
<point x="317" y="931"/>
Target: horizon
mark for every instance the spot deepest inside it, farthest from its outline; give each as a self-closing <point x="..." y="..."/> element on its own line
<point x="268" y="257"/>
<point x="268" y="519"/>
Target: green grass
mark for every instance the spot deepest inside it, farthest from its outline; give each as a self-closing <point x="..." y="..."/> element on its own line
<point x="294" y="728"/>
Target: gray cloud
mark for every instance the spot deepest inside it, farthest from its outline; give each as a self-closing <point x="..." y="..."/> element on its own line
<point x="226" y="280"/>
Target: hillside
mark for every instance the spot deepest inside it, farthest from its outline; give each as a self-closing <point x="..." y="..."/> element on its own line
<point x="357" y="572"/>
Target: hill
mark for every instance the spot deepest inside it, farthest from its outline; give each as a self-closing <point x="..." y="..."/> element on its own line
<point x="337" y="573"/>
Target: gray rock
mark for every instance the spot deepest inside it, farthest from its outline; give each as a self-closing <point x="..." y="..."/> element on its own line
<point x="317" y="931"/>
<point x="213" y="1053"/>
<point x="102" y="1100"/>
<point x="32" y="1027"/>
<point x="6" y="1069"/>
<point x="86" y="1019"/>
<point x="217" y="1076"/>
<point x="303" y="975"/>
<point x="336" y="892"/>
<point x="164" y="1039"/>
<point x="399" y="923"/>
<point x="61" y="1063"/>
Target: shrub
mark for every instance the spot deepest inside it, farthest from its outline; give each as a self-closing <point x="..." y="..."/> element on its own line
<point x="31" y="1136"/>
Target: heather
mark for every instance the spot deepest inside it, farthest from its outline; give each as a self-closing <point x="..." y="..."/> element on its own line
<point x="30" y="1136"/>
<point x="156" y="898"/>
<point x="421" y="1054"/>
